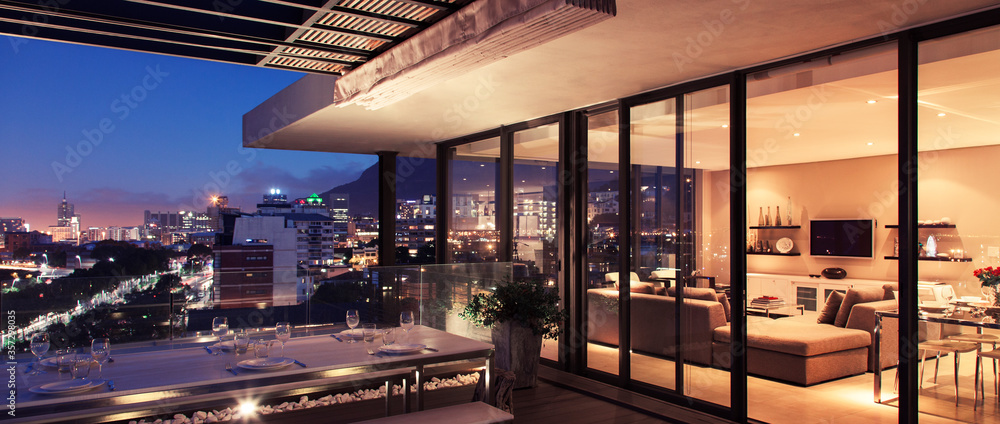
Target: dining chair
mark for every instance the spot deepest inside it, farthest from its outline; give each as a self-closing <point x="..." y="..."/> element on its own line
<point x="980" y="340"/>
<point x="943" y="347"/>
<point x="994" y="355"/>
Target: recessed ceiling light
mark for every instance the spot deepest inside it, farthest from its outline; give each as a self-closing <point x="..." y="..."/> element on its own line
<point x="870" y="143"/>
<point x="941" y="114"/>
<point x="697" y="162"/>
<point x="872" y="101"/>
<point x="796" y="134"/>
<point x="725" y="125"/>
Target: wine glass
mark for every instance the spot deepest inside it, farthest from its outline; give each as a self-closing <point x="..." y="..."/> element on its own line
<point x="406" y="323"/>
<point x="39" y="345"/>
<point x="352" y="321"/>
<point x="100" y="350"/>
<point x="220" y="326"/>
<point x="283" y="332"/>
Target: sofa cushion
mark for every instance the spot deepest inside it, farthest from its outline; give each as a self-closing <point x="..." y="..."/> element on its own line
<point x="854" y="296"/>
<point x="890" y="290"/>
<point x="829" y="314"/>
<point x="694" y="293"/>
<point x="635" y="286"/>
<point x="797" y="337"/>
<point x="660" y="291"/>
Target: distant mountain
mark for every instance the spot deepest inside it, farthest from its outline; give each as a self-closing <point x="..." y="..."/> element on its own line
<point x="420" y="180"/>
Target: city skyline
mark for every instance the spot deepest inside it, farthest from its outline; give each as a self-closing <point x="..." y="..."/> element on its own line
<point x="122" y="132"/>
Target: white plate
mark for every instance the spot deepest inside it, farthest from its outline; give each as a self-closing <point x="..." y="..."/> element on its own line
<point x="784" y="245"/>
<point x="67" y="386"/>
<point x="51" y="362"/>
<point x="401" y="349"/>
<point x="933" y="309"/>
<point x="357" y="333"/>
<point x="265" y="363"/>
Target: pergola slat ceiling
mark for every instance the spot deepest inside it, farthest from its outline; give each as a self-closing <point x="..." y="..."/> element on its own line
<point x="317" y="36"/>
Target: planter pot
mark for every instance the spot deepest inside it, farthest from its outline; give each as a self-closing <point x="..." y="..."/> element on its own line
<point x="518" y="350"/>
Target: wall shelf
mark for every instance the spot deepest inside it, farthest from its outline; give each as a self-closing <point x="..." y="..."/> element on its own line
<point x="928" y="258"/>
<point x="775" y="253"/>
<point x="774" y="227"/>
<point x="925" y="226"/>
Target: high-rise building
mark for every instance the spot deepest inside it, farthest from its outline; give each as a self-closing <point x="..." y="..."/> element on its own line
<point x="11" y="225"/>
<point x="167" y="227"/>
<point x="218" y="207"/>
<point x="244" y="276"/>
<point x="275" y="197"/>
<point x="312" y="204"/>
<point x="339" y="204"/>
<point x="64" y="212"/>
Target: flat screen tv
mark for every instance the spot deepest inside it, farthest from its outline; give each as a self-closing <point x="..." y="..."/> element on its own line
<point x="848" y="238"/>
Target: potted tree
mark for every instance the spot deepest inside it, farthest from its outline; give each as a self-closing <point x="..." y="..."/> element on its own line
<point x="520" y="314"/>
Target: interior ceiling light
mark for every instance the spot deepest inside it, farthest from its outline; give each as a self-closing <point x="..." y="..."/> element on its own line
<point x="796" y="134"/>
<point x="871" y="102"/>
<point x="941" y="114"/>
<point x="479" y="34"/>
<point x="870" y="143"/>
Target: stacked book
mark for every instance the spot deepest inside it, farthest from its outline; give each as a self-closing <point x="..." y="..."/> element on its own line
<point x="767" y="302"/>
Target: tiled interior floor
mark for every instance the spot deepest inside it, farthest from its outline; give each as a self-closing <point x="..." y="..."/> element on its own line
<point x="849" y="399"/>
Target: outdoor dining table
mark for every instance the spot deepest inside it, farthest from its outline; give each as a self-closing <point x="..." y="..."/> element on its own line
<point x="166" y="381"/>
<point x="963" y="318"/>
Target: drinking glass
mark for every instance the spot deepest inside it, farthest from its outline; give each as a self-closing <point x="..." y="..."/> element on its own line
<point x="352" y="321"/>
<point x="81" y="366"/>
<point x="406" y="323"/>
<point x="64" y="360"/>
<point x="100" y="349"/>
<point x="39" y="345"/>
<point x="220" y="326"/>
<point x="388" y="336"/>
<point x="261" y="348"/>
<point x="283" y="332"/>
<point x="368" y="335"/>
<point x="241" y="341"/>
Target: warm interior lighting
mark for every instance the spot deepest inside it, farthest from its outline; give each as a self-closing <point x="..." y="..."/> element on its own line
<point x="796" y="134"/>
<point x="870" y="143"/>
<point x="725" y="125"/>
<point x="871" y="102"/>
<point x="942" y="114"/>
<point x="247" y="408"/>
<point x="479" y="34"/>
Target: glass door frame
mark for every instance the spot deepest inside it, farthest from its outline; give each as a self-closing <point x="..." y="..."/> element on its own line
<point x="736" y="83"/>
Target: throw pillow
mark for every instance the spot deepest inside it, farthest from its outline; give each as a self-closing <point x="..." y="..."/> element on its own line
<point x="640" y="287"/>
<point x="854" y="296"/>
<point x="889" y="289"/>
<point x="694" y="293"/>
<point x="660" y="291"/>
<point x="724" y="300"/>
<point x="829" y="314"/>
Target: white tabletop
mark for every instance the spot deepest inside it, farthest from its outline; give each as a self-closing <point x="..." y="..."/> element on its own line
<point x="159" y="376"/>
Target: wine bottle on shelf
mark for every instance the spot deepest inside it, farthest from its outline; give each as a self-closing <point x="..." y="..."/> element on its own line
<point x="777" y="216"/>
<point x="767" y="218"/>
<point x="760" y="217"/>
<point x="789" y="209"/>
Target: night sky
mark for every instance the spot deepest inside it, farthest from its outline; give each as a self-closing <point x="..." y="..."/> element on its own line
<point x="121" y="132"/>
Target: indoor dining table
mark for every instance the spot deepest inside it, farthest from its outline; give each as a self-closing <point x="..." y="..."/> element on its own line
<point x="963" y="318"/>
<point x="166" y="381"/>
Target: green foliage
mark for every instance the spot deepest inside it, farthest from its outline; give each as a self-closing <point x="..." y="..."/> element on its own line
<point x="526" y="302"/>
<point x="199" y="250"/>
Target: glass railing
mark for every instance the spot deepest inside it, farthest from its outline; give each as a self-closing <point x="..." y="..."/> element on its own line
<point x="173" y="309"/>
<point x="437" y="293"/>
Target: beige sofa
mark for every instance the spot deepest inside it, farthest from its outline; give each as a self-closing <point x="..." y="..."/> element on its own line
<point x="800" y="350"/>
<point x="652" y="327"/>
<point x="794" y="349"/>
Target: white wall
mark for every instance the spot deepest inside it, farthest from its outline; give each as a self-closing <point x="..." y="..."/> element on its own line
<point x="957" y="183"/>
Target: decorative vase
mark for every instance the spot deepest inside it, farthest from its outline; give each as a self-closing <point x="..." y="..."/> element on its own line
<point x="519" y="351"/>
